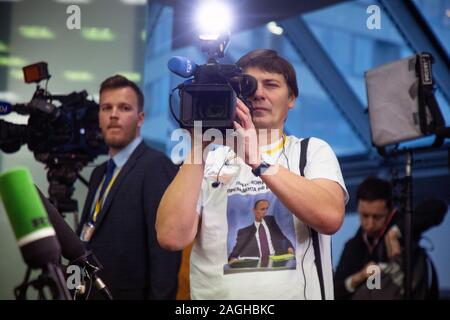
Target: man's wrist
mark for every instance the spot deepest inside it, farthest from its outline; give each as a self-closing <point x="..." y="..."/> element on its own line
<point x="262" y="169"/>
<point x="357" y="279"/>
<point x="256" y="164"/>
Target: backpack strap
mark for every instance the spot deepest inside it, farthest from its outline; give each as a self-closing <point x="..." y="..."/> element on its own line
<point x="433" y="292"/>
<point x="427" y="100"/>
<point x="314" y="234"/>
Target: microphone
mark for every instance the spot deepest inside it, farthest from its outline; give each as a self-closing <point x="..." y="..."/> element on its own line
<point x="35" y="235"/>
<point x="182" y="66"/>
<point x="5" y="108"/>
<point x="72" y="247"/>
<point x="215" y="184"/>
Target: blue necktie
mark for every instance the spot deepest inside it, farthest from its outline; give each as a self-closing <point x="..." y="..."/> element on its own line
<point x="108" y="176"/>
<point x="263" y="242"/>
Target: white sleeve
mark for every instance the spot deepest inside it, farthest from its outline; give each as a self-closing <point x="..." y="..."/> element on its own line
<point x="200" y="200"/>
<point x="322" y="163"/>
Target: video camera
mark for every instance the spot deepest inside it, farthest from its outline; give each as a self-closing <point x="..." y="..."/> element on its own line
<point x="66" y="137"/>
<point x="210" y="96"/>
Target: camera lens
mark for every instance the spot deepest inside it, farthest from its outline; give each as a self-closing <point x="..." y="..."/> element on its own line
<point x="212" y="105"/>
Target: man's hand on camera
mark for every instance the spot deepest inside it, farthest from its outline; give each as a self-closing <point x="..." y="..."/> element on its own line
<point x="247" y="137"/>
<point x="393" y="246"/>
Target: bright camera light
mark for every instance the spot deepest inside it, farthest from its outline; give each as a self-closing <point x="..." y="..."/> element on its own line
<point x="213" y="19"/>
<point x="274" y="28"/>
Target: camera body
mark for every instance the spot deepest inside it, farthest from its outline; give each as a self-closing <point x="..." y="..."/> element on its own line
<point x="211" y="95"/>
<point x="64" y="136"/>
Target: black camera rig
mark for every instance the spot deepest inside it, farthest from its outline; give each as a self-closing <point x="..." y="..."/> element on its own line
<point x="65" y="138"/>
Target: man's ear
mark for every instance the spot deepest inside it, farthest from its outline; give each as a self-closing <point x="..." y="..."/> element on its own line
<point x="141" y="118"/>
<point x="291" y="101"/>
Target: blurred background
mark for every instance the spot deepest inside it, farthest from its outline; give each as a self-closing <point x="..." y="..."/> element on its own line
<point x="329" y="43"/>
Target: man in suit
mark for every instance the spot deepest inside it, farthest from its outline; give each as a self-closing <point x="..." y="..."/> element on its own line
<point x="262" y="238"/>
<point x="379" y="242"/>
<point x="118" y="220"/>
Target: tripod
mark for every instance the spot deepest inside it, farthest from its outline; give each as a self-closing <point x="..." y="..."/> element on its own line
<point x="51" y="277"/>
<point x="407" y="205"/>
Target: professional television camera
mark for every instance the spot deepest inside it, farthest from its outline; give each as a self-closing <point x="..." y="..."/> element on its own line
<point x="66" y="137"/>
<point x="210" y="96"/>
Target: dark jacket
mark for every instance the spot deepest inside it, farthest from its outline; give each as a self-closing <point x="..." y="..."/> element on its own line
<point x="134" y="265"/>
<point x="353" y="258"/>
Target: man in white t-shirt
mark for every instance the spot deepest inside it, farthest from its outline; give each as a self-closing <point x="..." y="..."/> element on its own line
<point x="209" y="202"/>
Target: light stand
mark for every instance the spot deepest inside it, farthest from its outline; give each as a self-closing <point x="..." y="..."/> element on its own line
<point x="408" y="211"/>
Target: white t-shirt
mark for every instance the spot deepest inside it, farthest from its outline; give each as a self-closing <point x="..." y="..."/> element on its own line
<point x="226" y="214"/>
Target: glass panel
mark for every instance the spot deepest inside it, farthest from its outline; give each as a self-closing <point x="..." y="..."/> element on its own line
<point x="343" y="33"/>
<point x="437" y="14"/>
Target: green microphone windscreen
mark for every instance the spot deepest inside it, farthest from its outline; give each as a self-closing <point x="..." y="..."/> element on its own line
<point x="28" y="217"/>
<point x="26" y="213"/>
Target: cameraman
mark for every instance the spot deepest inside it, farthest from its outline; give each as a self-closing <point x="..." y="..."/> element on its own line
<point x="378" y="242"/>
<point x="118" y="221"/>
<point x="193" y="208"/>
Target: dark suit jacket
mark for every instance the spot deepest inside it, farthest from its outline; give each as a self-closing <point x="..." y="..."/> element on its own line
<point x="355" y="255"/>
<point x="247" y="245"/>
<point x="353" y="258"/>
<point x="134" y="265"/>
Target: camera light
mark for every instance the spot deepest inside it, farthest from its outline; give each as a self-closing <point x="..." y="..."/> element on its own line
<point x="274" y="28"/>
<point x="213" y="19"/>
<point x="36" y="72"/>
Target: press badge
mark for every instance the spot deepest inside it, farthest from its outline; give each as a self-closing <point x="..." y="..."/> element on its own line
<point x="87" y="232"/>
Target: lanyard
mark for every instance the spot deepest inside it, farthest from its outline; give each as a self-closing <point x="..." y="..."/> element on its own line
<point x="372" y="246"/>
<point x="99" y="203"/>
<point x="277" y="147"/>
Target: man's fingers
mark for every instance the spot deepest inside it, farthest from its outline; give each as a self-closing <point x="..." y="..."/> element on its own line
<point x="242" y="106"/>
<point x="392" y="243"/>
<point x="237" y="126"/>
<point x="246" y="119"/>
<point x="243" y="117"/>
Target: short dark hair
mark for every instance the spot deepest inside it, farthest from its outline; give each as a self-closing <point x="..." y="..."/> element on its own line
<point x="373" y="188"/>
<point x="260" y="200"/>
<point x="118" y="81"/>
<point x="269" y="61"/>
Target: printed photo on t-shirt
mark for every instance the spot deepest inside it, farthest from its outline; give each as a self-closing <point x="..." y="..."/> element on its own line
<point x="261" y="234"/>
